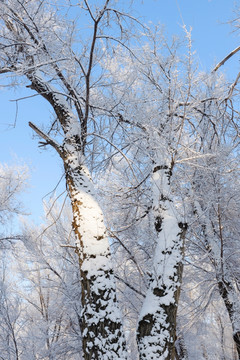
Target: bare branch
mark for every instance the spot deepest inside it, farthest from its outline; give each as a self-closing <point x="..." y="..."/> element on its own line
<point x="120" y="151"/>
<point x="132" y="257"/>
<point x="226" y="58"/>
<point x="130" y="286"/>
<point x="5" y="70"/>
<point x="47" y="138"/>
<point x="232" y="87"/>
<point x="89" y="10"/>
<point x="108" y="37"/>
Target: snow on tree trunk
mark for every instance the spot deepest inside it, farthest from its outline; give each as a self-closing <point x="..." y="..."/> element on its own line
<point x="231" y="301"/>
<point x="156" y="333"/>
<point x="101" y="321"/>
<point x="101" y="325"/>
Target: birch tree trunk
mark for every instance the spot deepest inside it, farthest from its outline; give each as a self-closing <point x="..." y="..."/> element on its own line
<point x="102" y="333"/>
<point x="157" y="322"/>
<point x="101" y="321"/>
<point x="38" y="60"/>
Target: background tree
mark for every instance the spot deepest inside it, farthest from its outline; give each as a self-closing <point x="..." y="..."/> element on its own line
<point x="12" y="183"/>
<point x="49" y="269"/>
<point x="215" y="198"/>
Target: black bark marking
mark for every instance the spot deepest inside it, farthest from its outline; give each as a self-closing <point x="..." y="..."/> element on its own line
<point x="158" y="223"/>
<point x="183" y="226"/>
<point x="160" y="291"/>
<point x="160" y="167"/>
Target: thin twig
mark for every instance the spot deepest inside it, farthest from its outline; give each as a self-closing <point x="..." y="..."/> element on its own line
<point x="130" y="286"/>
<point x="125" y="157"/>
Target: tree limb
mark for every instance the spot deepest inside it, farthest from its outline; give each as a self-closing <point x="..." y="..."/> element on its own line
<point x="226" y="58"/>
<point x="47" y="138"/>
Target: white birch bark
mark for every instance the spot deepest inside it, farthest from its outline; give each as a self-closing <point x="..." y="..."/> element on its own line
<point x="101" y="325"/>
<point x="101" y="320"/>
<point x="157" y="321"/>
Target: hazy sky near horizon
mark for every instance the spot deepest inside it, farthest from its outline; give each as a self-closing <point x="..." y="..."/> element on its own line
<point x="212" y="38"/>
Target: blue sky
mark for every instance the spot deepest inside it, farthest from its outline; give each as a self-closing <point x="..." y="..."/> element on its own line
<point x="212" y="35"/>
<point x="212" y="40"/>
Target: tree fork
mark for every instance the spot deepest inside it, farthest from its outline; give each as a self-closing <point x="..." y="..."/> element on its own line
<point x="101" y="325"/>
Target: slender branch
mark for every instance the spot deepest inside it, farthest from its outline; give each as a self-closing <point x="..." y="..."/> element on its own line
<point x="55" y="200"/>
<point x="15" y="44"/>
<point x="87" y="81"/>
<point x="47" y="138"/>
<point x="90" y="66"/>
<point x="233" y="85"/>
<point x="52" y="191"/>
<point x="68" y="246"/>
<point x="42" y="93"/>
<point x="108" y="37"/>
<point x="89" y="10"/>
<point x="61" y="108"/>
<point x="125" y="157"/>
<point x="130" y="286"/>
<point x="103" y="10"/>
<point x="54" y="220"/>
<point x="123" y="14"/>
<point x="132" y="257"/>
<point x="5" y="70"/>
<point x="226" y="58"/>
<point x="122" y="119"/>
<point x="10" y="238"/>
<point x="42" y="45"/>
